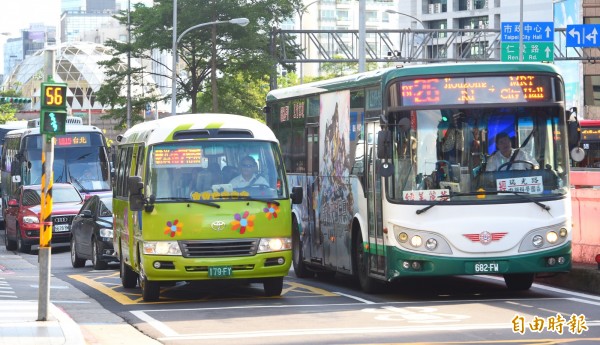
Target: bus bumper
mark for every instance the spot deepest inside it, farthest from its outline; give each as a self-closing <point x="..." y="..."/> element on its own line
<point x="177" y="268"/>
<point x="402" y="264"/>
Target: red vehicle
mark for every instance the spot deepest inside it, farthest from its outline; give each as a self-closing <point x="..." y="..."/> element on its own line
<point x="22" y="216"/>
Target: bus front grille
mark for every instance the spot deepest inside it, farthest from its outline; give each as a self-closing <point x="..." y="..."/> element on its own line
<point x="218" y="248"/>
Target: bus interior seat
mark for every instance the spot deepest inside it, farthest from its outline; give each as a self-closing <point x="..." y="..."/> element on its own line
<point x="228" y="173"/>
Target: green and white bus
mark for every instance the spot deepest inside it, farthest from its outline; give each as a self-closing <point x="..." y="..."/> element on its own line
<point x="400" y="176"/>
<point x="178" y="216"/>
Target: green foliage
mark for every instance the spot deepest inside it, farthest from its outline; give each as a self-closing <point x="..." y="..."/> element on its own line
<point x="8" y="110"/>
<point x="236" y="49"/>
<point x="338" y="69"/>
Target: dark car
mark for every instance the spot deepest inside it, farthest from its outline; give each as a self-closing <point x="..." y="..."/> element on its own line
<point x="23" y="215"/>
<point x="92" y="232"/>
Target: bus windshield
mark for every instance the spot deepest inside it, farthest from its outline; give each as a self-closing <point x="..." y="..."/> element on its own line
<point x="215" y="171"/>
<point x="79" y="159"/>
<point x="463" y="151"/>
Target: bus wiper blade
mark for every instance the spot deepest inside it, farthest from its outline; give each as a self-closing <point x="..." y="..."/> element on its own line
<point x="255" y="199"/>
<point x="81" y="187"/>
<point x="201" y="202"/>
<point x="524" y="196"/>
<point x="443" y="198"/>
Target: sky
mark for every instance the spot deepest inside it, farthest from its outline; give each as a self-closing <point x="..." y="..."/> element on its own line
<point x="16" y="15"/>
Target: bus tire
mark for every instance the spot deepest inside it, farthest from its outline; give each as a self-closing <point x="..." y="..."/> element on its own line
<point x="128" y="276"/>
<point x="76" y="261"/>
<point x="10" y="244"/>
<point x="21" y="246"/>
<point x="273" y="286"/>
<point x="300" y="268"/>
<point x="367" y="284"/>
<point x="150" y="289"/>
<point x="519" y="281"/>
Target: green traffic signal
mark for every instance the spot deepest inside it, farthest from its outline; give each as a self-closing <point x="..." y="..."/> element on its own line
<point x="17" y="100"/>
<point x="53" y="122"/>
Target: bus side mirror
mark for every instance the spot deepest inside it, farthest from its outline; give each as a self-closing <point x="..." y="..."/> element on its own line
<point x="573" y="129"/>
<point x="296" y="195"/>
<point x="384" y="143"/>
<point x="136" y="196"/>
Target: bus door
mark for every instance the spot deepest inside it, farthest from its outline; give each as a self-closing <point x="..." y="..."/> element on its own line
<point x="312" y="243"/>
<point x="376" y="259"/>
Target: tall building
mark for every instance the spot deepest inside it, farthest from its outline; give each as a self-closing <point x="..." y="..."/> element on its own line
<point x="32" y="39"/>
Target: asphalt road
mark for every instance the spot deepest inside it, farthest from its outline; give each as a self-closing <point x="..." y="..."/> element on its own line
<point x="477" y="310"/>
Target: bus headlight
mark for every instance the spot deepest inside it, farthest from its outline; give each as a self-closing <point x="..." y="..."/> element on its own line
<point x="274" y="244"/>
<point x="537" y="241"/>
<point x="106" y="233"/>
<point x="31" y="220"/>
<point x="562" y="232"/>
<point x="416" y="241"/>
<point x="431" y="244"/>
<point x="162" y="248"/>
<point x="551" y="237"/>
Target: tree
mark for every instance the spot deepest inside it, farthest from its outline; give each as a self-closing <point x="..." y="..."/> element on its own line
<point x="237" y="49"/>
<point x="338" y="69"/>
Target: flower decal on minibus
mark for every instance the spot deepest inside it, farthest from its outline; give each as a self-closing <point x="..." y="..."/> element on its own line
<point x="243" y="222"/>
<point x="271" y="211"/>
<point x="174" y="228"/>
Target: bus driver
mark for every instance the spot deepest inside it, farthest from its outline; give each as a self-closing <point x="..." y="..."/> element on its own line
<point x="504" y="155"/>
<point x="248" y="176"/>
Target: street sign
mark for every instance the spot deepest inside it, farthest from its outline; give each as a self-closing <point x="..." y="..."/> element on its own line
<point x="532" y="51"/>
<point x="583" y="35"/>
<point x="532" y="31"/>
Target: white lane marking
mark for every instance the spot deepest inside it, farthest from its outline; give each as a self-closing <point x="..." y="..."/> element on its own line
<point x="159" y="326"/>
<point x="354" y="297"/>
<point x="63" y="287"/>
<point x="553" y="289"/>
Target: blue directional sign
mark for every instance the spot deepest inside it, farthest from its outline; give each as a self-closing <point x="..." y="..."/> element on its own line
<point x="532" y="31"/>
<point x="583" y="35"/>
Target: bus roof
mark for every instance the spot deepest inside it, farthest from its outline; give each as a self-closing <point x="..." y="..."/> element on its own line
<point x="383" y="76"/>
<point x="68" y="129"/>
<point x="589" y="123"/>
<point x="163" y="130"/>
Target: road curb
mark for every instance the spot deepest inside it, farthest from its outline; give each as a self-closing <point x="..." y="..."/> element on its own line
<point x="584" y="278"/>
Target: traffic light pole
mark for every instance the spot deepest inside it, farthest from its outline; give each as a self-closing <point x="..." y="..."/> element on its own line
<point x="45" y="252"/>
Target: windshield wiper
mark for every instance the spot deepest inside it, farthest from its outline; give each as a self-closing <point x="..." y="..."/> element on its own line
<point x="520" y="194"/>
<point x="255" y="199"/>
<point x="524" y="195"/>
<point x="201" y="202"/>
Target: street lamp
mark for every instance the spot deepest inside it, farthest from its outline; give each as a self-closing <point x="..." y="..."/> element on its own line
<point x="301" y="11"/>
<point x="176" y="39"/>
<point x="407" y="15"/>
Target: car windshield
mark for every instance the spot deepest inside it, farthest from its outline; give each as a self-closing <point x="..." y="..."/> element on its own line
<point x="514" y="149"/>
<point x="33" y="197"/>
<point x="215" y="171"/>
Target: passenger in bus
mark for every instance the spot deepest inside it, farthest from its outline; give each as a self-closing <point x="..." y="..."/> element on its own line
<point x="504" y="154"/>
<point x="249" y="176"/>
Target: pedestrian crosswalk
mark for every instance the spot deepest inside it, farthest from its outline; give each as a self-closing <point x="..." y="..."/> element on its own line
<point x="6" y="291"/>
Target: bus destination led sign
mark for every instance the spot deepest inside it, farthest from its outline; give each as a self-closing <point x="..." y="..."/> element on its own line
<point x="476" y="90"/>
<point x="590" y="134"/>
<point x="178" y="156"/>
<point x="79" y="139"/>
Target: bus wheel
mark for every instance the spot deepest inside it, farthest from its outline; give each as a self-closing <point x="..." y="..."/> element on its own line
<point x="150" y="289"/>
<point x="21" y="246"/>
<point x="76" y="261"/>
<point x="300" y="268"/>
<point x="10" y="244"/>
<point x="128" y="276"/>
<point x="361" y="265"/>
<point x="518" y="281"/>
<point x="273" y="286"/>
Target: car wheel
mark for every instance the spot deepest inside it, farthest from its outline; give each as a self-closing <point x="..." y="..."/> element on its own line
<point x="519" y="281"/>
<point x="21" y="246"/>
<point x="76" y="261"/>
<point x="96" y="257"/>
<point x="128" y="276"/>
<point x="10" y="244"/>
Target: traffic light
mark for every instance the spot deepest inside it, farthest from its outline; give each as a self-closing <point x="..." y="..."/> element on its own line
<point x="53" y="108"/>
<point x="19" y="100"/>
